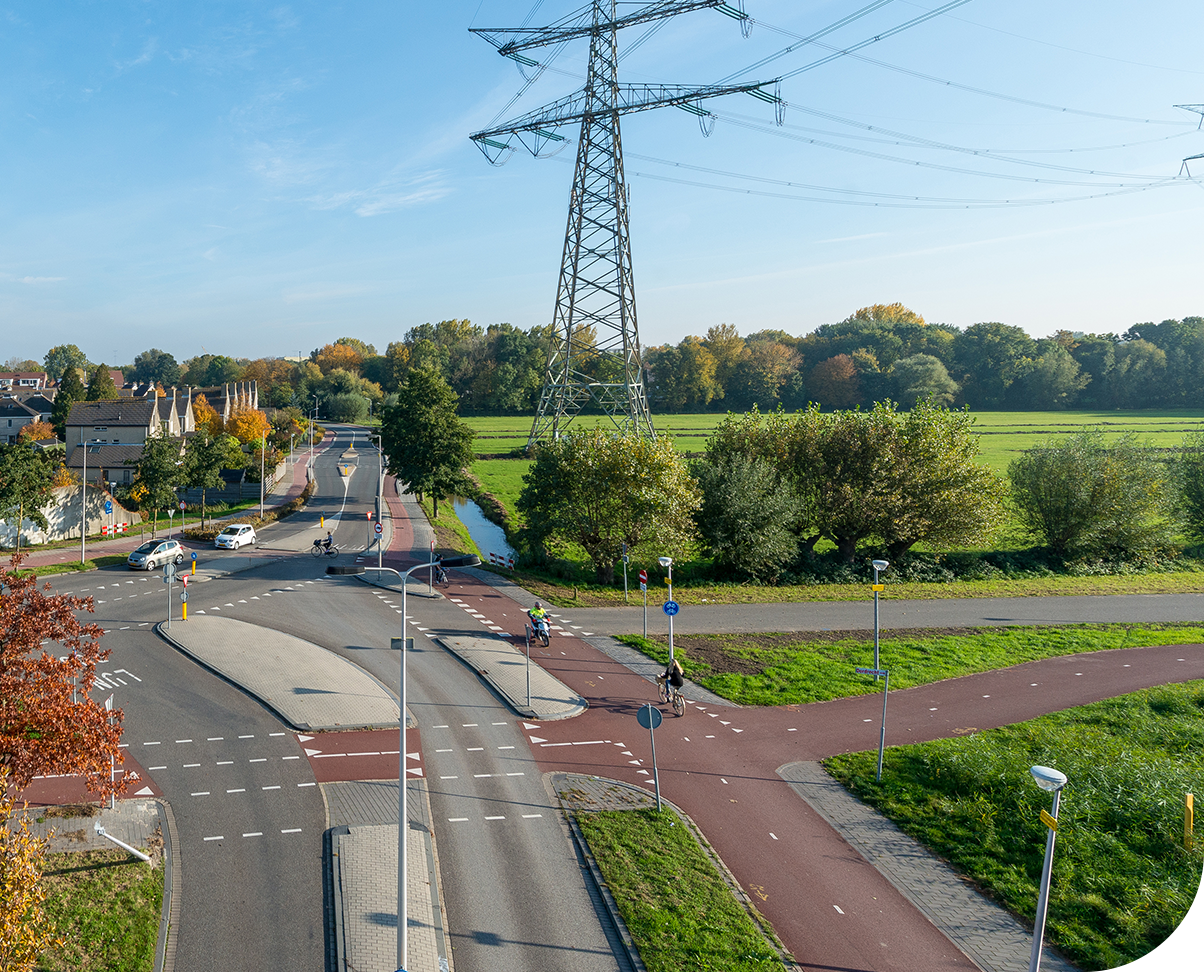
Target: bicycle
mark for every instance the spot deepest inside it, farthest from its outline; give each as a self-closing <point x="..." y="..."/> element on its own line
<point x="441" y="578"/>
<point x="672" y="694"/>
<point x="319" y="548"/>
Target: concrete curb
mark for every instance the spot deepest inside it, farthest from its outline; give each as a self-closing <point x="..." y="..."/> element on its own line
<point x="521" y="708"/>
<point x="334" y="835"/>
<point x="161" y="630"/>
<point x="169" y="920"/>
<point x="392" y="585"/>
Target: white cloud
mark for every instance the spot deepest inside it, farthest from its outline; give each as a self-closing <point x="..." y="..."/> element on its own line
<point x="41" y="280"/>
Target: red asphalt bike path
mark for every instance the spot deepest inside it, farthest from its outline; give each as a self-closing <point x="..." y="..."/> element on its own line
<point x="831" y="908"/>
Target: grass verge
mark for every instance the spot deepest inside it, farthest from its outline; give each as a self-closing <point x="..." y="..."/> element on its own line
<point x="1122" y="879"/>
<point x="677" y="906"/>
<point x="784" y="669"/>
<point x="451" y="535"/>
<point x="106" y="909"/>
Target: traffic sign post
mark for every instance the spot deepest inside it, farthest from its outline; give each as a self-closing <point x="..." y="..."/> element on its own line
<point x="169" y="575"/>
<point x="649" y="716"/>
<point x="644" y="591"/>
<point x="624" y="573"/>
<point x="885" y="675"/>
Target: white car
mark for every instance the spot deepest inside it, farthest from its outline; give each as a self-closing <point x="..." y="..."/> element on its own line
<point x="236" y="535"/>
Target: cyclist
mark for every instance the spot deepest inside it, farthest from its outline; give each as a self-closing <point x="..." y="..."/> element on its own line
<point x="440" y="573"/>
<point x="675" y="674"/>
<point x="328" y="541"/>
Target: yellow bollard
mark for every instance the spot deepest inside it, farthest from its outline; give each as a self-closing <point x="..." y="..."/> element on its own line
<point x="322" y="521"/>
<point x="194" y="568"/>
<point x="185" y="607"/>
<point x="1189" y="819"/>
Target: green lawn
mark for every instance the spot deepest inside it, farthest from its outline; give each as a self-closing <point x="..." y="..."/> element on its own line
<point x="677" y="906"/>
<point x="1122" y="879"/>
<point x="106" y="910"/>
<point x="785" y="669"/>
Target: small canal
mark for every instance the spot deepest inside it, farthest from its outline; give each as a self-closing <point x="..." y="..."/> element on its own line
<point x="488" y="536"/>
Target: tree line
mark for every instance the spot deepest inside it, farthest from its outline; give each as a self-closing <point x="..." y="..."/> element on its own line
<point x="884" y="351"/>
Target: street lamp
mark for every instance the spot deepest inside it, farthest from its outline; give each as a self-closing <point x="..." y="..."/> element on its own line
<point x="88" y="446"/>
<point x="1052" y="780"/>
<point x="380" y="494"/>
<point x="667" y="563"/>
<point x="878" y="565"/>
<point x="402" y="819"/>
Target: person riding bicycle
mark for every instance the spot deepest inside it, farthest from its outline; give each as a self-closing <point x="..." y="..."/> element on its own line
<point x="675" y="674"/>
<point x="328" y="541"/>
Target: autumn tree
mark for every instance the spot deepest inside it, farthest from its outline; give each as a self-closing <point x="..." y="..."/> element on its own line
<point x="248" y="425"/>
<point x="42" y="730"/>
<point x="71" y="390"/>
<point x="100" y="385"/>
<point x="25" y="929"/>
<point x="427" y="443"/>
<point x="332" y="356"/>
<point x="25" y="477"/>
<point x="601" y="489"/>
<point x="37" y="431"/>
<point x="834" y="382"/>
<point x="205" y="415"/>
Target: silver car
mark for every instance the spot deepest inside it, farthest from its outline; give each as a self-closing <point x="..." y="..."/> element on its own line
<point x="155" y="552"/>
<point x="236" y="535"/>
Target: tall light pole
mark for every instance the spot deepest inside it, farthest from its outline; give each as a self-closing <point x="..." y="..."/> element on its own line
<point x="263" y="448"/>
<point x="83" y="499"/>
<point x="667" y="563"/>
<point x="380" y="494"/>
<point x="402" y="817"/>
<point x="1052" y="780"/>
<point x="878" y="565"/>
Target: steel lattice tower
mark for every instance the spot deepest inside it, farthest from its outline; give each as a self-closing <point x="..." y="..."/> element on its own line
<point x="595" y="350"/>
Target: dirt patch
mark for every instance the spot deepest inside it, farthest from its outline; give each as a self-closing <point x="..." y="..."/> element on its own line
<point x="71" y="810"/>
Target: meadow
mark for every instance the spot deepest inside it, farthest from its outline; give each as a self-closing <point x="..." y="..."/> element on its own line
<point x="1004" y="434"/>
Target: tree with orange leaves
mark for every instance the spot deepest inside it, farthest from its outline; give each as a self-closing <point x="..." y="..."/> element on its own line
<point x="248" y="425"/>
<point x="25" y="931"/>
<point x="333" y="356"/>
<point x="37" y="431"/>
<point x="42" y="731"/>
<point x="204" y="414"/>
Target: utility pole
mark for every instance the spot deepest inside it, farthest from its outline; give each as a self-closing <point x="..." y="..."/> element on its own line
<point x="594" y="354"/>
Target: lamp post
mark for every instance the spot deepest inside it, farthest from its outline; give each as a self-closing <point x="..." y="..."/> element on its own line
<point x="263" y="448"/>
<point x="667" y="563"/>
<point x="1053" y="781"/>
<point x="878" y="565"/>
<point x="83" y="501"/>
<point x="402" y="818"/>
<point x="380" y="494"/>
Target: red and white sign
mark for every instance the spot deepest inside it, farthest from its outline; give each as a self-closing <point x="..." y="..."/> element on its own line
<point x="183" y="505"/>
<point x="378" y="529"/>
<point x="643" y="577"/>
<point x="369" y="514"/>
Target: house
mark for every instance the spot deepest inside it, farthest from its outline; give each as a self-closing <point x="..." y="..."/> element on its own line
<point x="14" y="380"/>
<point x="43" y="404"/>
<point x="14" y="416"/>
<point x="116" y="428"/>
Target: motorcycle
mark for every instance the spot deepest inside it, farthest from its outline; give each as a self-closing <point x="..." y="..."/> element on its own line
<point x="539" y="627"/>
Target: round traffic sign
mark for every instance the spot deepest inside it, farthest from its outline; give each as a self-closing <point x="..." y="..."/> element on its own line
<point x="378" y="529"/>
<point x="183" y="597"/>
<point x="183" y="505"/>
<point x="194" y="555"/>
<point x="649" y="716"/>
<point x="643" y="576"/>
<point x="671" y="608"/>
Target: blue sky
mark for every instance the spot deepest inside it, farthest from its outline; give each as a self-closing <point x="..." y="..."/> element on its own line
<point x="258" y="179"/>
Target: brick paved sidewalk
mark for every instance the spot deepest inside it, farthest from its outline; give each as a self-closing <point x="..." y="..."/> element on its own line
<point x="363" y="816"/>
<point x="987" y="933"/>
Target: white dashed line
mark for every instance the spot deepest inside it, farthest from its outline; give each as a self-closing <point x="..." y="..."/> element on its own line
<point x="495" y="818"/>
<point x="457" y="819"/>
<point x="215" y="838"/>
<point x="189" y="765"/>
<point x="237" y="790"/>
<point x="269" y="787"/>
<point x="256" y="833"/>
<point x="202" y="793"/>
<point x="292" y="830"/>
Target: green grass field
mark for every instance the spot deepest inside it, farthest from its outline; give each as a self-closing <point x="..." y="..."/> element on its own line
<point x="789" y="669"/>
<point x="1005" y="434"/>
<point x="1122" y="878"/>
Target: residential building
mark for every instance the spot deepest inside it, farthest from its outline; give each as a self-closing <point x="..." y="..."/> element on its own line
<point x="14" y="416"/>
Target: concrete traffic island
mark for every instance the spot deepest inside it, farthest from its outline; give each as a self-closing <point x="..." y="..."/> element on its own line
<point x="310" y="688"/>
<point x="505" y="668"/>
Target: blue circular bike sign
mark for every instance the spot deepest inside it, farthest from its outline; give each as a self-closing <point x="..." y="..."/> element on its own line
<point x="671" y="608"/>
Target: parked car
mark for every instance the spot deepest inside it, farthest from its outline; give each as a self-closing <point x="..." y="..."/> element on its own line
<point x="236" y="535"/>
<point x="155" y="552"/>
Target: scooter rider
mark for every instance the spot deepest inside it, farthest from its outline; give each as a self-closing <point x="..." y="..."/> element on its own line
<point x="538" y="616"/>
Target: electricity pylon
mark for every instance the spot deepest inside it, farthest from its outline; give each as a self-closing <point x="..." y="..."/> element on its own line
<point x="595" y="347"/>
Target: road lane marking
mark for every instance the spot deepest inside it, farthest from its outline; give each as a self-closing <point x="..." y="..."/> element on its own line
<point x="505" y="747"/>
<point x="290" y="757"/>
<point x="495" y="818"/>
<point x="225" y="762"/>
<point x="252" y="736"/>
<point x="531" y="816"/>
<point x="444" y="750"/>
<point x="269" y="787"/>
<point x="516" y="774"/>
<point x="837" y="907"/>
<point x="482" y="776"/>
<point x="202" y="793"/>
<point x="468" y="725"/>
<point x="475" y="749"/>
<point x="237" y="790"/>
<point x="457" y="819"/>
<point x="773" y="835"/>
<point x="189" y="765"/>
<point x="150" y="744"/>
<point x="151" y="769"/>
<point x="183" y="740"/>
<point x="277" y="733"/>
<point x="307" y="784"/>
<point x="215" y="739"/>
<point x="257" y="833"/>
<point x="215" y="838"/>
<point x="292" y="830"/>
<point x="262" y="759"/>
<point x="449" y="777"/>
